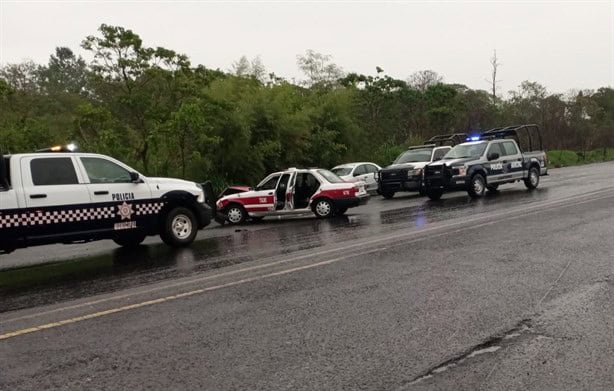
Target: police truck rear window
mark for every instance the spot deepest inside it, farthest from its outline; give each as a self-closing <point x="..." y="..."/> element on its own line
<point x="53" y="171"/>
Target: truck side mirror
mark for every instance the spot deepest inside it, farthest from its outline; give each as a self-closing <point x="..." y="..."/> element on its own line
<point x="493" y="156"/>
<point x="135" y="177"/>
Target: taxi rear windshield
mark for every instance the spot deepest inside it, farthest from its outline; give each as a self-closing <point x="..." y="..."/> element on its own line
<point x="329" y="176"/>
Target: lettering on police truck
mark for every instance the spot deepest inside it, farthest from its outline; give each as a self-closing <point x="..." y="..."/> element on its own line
<point x="124" y="225"/>
<point x="496" y="166"/>
<point x="516" y="164"/>
<point x="122" y="196"/>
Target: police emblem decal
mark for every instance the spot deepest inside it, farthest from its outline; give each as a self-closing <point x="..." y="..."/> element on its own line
<point x="125" y="211"/>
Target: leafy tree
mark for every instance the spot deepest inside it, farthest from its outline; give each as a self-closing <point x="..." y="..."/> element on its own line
<point x="319" y="69"/>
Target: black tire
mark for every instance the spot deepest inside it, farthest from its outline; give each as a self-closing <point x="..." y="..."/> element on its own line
<point x="477" y="186"/>
<point x="434" y="195"/>
<point x="341" y="211"/>
<point x="492" y="188"/>
<point x="179" y="227"/>
<point x="132" y="239"/>
<point x="322" y="208"/>
<point x="387" y="194"/>
<point x="236" y="214"/>
<point x="532" y="181"/>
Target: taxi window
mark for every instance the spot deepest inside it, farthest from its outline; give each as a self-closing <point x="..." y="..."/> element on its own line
<point x="360" y="170"/>
<point x="270" y="184"/>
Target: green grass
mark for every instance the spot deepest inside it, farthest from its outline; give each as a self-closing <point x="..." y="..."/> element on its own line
<point x="566" y="158"/>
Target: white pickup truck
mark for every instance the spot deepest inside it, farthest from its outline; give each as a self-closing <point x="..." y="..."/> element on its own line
<point x="58" y="196"/>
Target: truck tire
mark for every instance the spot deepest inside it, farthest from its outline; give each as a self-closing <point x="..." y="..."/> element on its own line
<point x="477" y="186"/>
<point x="236" y="214"/>
<point x="179" y="227"/>
<point x="322" y="208"/>
<point x="532" y="181"/>
<point x="434" y="194"/>
<point x="387" y="194"/>
<point x="131" y="239"/>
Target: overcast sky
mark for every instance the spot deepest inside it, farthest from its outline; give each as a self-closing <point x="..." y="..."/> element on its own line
<point x="561" y="44"/>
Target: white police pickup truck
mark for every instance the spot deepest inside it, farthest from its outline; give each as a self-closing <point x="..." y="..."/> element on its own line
<point x="59" y="196"/>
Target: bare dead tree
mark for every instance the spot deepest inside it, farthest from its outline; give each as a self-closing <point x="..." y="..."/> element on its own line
<point x="494" y="62"/>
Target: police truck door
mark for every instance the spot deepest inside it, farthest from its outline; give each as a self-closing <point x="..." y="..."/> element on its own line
<point x="57" y="198"/>
<point x="111" y="185"/>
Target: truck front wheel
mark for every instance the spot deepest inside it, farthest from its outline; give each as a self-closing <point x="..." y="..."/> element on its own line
<point x="477" y="186"/>
<point x="179" y="227"/>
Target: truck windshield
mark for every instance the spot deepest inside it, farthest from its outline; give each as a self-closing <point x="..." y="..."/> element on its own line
<point x="414" y="155"/>
<point x="466" y="150"/>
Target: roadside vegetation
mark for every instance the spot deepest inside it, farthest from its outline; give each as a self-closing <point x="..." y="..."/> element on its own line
<point x="566" y="158"/>
<point x="154" y="109"/>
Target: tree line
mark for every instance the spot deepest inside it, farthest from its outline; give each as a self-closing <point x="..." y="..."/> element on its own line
<point x="153" y="109"/>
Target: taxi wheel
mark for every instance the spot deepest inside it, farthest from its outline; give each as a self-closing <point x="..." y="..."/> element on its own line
<point x="236" y="214"/>
<point x="179" y="227"/>
<point x="322" y="208"/>
<point x="132" y="239"/>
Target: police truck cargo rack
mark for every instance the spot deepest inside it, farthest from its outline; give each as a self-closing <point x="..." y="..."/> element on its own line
<point x="488" y="160"/>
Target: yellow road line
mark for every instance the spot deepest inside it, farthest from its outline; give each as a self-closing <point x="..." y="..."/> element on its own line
<point x="167" y="298"/>
<point x="251" y="279"/>
<point x="540" y="206"/>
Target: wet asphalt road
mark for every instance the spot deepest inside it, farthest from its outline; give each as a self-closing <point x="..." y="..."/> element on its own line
<point x="513" y="291"/>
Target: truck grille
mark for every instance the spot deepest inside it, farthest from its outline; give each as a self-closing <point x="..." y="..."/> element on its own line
<point x="393" y="175"/>
<point x="437" y="175"/>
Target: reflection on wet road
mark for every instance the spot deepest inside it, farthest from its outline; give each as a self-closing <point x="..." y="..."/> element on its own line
<point x="112" y="268"/>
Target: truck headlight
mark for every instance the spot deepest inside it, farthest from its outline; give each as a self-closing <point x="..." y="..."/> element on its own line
<point x="414" y="172"/>
<point x="460" y="171"/>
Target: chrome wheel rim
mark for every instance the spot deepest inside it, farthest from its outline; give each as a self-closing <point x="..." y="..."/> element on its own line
<point x="533" y="178"/>
<point x="478" y="186"/>
<point x="323" y="208"/>
<point x="235" y="215"/>
<point x="182" y="226"/>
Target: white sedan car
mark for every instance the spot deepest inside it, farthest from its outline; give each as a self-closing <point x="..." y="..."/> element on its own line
<point x="363" y="171"/>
